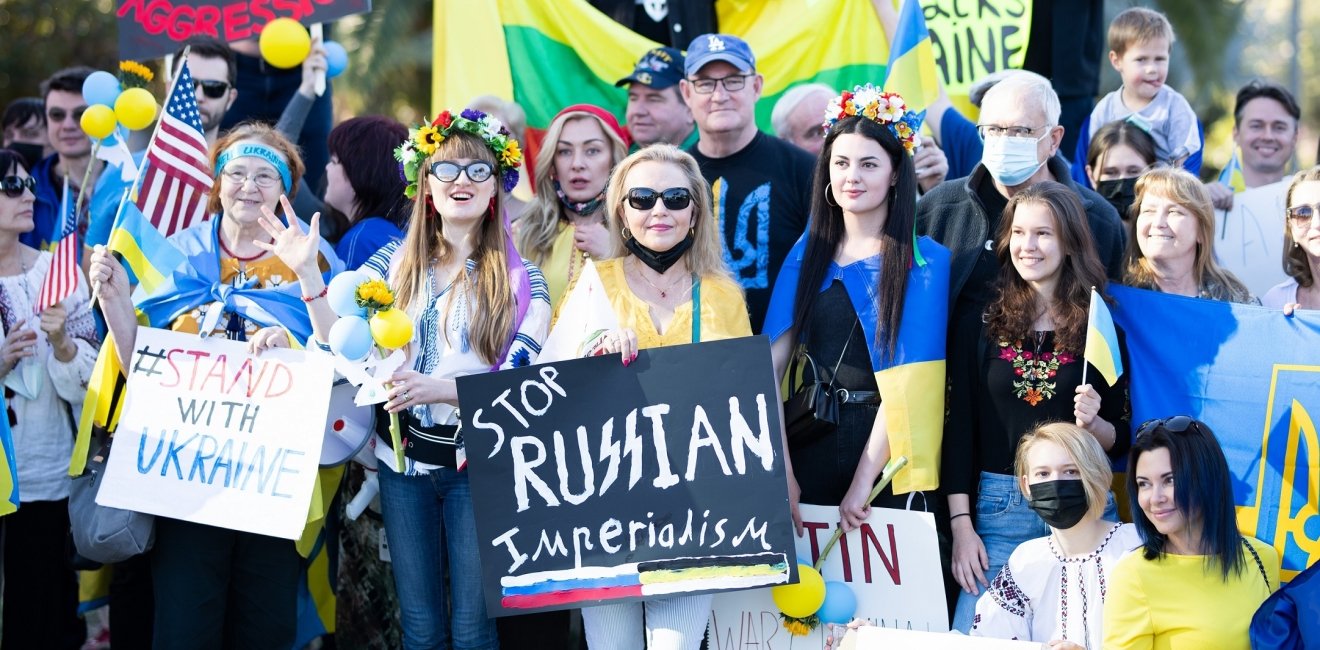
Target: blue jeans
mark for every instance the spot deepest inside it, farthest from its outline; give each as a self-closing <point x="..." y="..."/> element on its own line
<point x="430" y="527"/>
<point x="1003" y="520"/>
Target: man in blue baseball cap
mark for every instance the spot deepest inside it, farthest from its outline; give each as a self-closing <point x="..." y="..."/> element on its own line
<point x="656" y="111"/>
<point x="762" y="184"/>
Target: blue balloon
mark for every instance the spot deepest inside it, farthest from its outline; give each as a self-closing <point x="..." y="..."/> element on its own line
<point x="840" y="603"/>
<point x="336" y="59"/>
<point x="350" y="338"/>
<point x="100" y="87"/>
<point x="342" y="293"/>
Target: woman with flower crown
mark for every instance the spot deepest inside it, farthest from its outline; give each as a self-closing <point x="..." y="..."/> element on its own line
<point x="860" y="296"/>
<point x="476" y="307"/>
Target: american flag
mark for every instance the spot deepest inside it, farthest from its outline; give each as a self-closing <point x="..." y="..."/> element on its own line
<point x="62" y="278"/>
<point x="177" y="182"/>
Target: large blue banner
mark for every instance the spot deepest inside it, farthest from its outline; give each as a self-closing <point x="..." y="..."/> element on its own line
<point x="1253" y="375"/>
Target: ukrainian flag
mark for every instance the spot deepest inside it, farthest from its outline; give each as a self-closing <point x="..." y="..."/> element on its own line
<point x="1102" y="341"/>
<point x="1232" y="174"/>
<point x="8" y="466"/>
<point x="148" y="254"/>
<point x="911" y="71"/>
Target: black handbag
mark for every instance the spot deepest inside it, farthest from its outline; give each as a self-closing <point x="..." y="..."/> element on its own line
<point x="812" y="411"/>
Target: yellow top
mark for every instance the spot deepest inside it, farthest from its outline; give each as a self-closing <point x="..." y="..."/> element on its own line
<point x="269" y="272"/>
<point x="723" y="310"/>
<point x="1178" y="603"/>
<point x="562" y="267"/>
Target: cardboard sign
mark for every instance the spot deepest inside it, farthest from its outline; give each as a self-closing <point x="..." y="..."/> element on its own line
<point x="880" y="637"/>
<point x="891" y="562"/>
<point x="150" y="29"/>
<point x="973" y="38"/>
<point x="213" y="435"/>
<point x="1249" y="237"/>
<point x="596" y="482"/>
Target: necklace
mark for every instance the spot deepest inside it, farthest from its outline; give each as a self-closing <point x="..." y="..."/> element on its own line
<point x="664" y="291"/>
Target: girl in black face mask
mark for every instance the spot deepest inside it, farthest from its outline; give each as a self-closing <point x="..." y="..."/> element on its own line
<point x="1065" y="476"/>
<point x="1120" y="152"/>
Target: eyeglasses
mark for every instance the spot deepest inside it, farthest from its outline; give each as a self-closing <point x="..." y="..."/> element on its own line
<point x="263" y="179"/>
<point x="996" y="131"/>
<point x="732" y="83"/>
<point x="447" y="171"/>
<point x="57" y="115"/>
<point x="1175" y="424"/>
<point x="212" y="89"/>
<point x="674" y="198"/>
<point x="1303" y="215"/>
<point x="13" y="186"/>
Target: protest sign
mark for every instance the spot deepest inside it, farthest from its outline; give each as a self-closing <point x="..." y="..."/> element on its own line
<point x="973" y="38"/>
<point x="151" y="29"/>
<point x="214" y="435"/>
<point x="891" y="562"/>
<point x="595" y="482"/>
<point x="1249" y="237"/>
<point x="880" y="637"/>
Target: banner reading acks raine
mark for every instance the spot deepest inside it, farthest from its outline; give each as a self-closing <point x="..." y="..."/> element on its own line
<point x="150" y="29"/>
<point x="593" y="481"/>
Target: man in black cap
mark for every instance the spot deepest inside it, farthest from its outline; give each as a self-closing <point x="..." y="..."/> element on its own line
<point x="656" y="110"/>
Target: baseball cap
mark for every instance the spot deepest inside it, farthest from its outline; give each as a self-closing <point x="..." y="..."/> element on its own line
<point x="659" y="68"/>
<point x="719" y="47"/>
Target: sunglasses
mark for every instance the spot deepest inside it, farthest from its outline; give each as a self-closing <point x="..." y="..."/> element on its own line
<point x="674" y="198"/>
<point x="57" y="115"/>
<point x="446" y="171"/>
<point x="13" y="186"/>
<point x="212" y="89"/>
<point x="1175" y="424"/>
<point x="1302" y="215"/>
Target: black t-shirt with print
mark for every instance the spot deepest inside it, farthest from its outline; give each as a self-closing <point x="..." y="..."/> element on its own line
<point x="762" y="199"/>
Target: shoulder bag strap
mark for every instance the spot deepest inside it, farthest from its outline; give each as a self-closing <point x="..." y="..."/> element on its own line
<point x="1259" y="565"/>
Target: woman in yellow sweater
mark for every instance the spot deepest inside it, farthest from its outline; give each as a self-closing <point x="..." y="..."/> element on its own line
<point x="1196" y="581"/>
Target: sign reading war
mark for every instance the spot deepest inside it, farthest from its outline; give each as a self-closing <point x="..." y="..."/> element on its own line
<point x="593" y="481"/>
<point x="150" y="29"/>
<point x="214" y="435"/>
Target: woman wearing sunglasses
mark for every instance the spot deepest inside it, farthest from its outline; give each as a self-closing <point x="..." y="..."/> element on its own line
<point x="854" y="286"/>
<point x="45" y="362"/>
<point x="229" y="285"/>
<point x="670" y="287"/>
<point x="1015" y="367"/>
<point x="1301" y="247"/>
<point x="564" y="225"/>
<point x="1196" y="581"/>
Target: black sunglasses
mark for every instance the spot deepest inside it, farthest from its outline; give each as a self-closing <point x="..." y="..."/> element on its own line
<point x="57" y="115"/>
<point x="1175" y="424"/>
<point x="212" y="89"/>
<point x="447" y="171"/>
<point x="13" y="186"/>
<point x="674" y="198"/>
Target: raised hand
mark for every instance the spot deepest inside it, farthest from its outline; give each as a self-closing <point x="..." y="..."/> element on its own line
<point x="296" y="248"/>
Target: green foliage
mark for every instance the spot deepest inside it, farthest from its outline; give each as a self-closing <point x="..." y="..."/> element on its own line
<point x="42" y="36"/>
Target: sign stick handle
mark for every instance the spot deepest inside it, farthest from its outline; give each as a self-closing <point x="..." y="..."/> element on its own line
<point x="891" y="468"/>
<point x="318" y="35"/>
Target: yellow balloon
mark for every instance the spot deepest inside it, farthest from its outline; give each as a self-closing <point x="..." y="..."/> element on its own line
<point x="804" y="598"/>
<point x="285" y="43"/>
<point x="98" y="121"/>
<point x="135" y="108"/>
<point x="391" y="328"/>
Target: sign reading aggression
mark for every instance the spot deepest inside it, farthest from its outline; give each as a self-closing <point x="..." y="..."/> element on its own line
<point x="891" y="562"/>
<point x="973" y="38"/>
<point x="153" y="28"/>
<point x="594" y="482"/>
<point x="213" y="435"/>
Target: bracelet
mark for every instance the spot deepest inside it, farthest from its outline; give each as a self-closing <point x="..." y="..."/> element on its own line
<point x="961" y="514"/>
<point x="312" y="299"/>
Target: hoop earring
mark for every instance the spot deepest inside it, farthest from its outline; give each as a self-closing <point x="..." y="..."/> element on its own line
<point x="625" y="233"/>
<point x="829" y="191"/>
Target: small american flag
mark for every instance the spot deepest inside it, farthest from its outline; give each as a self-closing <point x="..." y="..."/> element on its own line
<point x="62" y="278"/>
<point x="177" y="182"/>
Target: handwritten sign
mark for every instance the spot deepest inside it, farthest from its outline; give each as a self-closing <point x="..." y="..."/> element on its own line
<point x="1249" y="237"/>
<point x="891" y="562"/>
<point x="213" y="435"/>
<point x="595" y="482"/>
<point x="973" y="38"/>
<point x="150" y="29"/>
<point x="881" y="637"/>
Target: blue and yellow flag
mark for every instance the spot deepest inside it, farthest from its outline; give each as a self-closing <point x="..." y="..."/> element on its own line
<point x="1253" y="375"/>
<point x="1102" y="341"/>
<point x="8" y="463"/>
<point x="149" y="256"/>
<point x="912" y="72"/>
<point x="1232" y="173"/>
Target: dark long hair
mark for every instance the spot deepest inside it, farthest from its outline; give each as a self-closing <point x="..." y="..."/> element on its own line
<point x="1202" y="486"/>
<point x="365" y="148"/>
<point x="1014" y="308"/>
<point x="825" y="232"/>
<point x="11" y="161"/>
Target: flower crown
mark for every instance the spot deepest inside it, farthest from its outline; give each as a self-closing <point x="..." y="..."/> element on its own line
<point x="422" y="142"/>
<point x="881" y="107"/>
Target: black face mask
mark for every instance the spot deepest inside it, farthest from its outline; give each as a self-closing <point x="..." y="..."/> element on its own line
<point x="1120" y="193"/>
<point x="659" y="261"/>
<point x="31" y="153"/>
<point x="1060" y="503"/>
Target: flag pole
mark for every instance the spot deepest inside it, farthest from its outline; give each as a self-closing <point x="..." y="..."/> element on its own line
<point x="1090" y="310"/>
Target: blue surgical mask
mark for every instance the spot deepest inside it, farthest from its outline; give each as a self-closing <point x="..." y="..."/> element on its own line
<point x="1011" y="161"/>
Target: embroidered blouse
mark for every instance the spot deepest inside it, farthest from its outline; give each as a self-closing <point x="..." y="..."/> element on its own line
<point x="1040" y="595"/>
<point x="440" y="346"/>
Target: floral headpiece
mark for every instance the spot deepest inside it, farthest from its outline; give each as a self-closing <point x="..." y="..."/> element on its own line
<point x="881" y="107"/>
<point x="422" y="142"/>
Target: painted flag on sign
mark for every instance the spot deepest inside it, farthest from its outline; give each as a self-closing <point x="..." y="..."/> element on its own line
<point x="177" y="180"/>
<point x="1102" y="341"/>
<point x="62" y="278"/>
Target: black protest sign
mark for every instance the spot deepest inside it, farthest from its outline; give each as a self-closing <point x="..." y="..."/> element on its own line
<point x="593" y="481"/>
<point x="150" y="29"/>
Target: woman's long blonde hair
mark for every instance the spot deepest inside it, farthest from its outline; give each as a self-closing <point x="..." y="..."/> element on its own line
<point x="491" y="310"/>
<point x="706" y="257"/>
<point x="539" y="225"/>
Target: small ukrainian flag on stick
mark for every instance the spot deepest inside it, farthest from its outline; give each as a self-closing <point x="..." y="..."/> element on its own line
<point x="1102" y="342"/>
